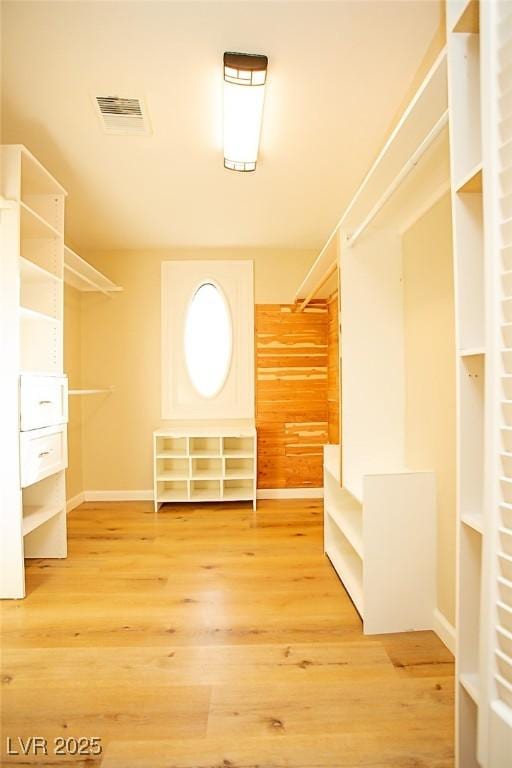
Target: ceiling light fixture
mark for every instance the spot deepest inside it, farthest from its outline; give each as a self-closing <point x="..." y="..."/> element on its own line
<point x="244" y="89"/>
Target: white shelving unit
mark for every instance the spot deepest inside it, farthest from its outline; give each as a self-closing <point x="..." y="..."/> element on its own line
<point x="383" y="545"/>
<point x="480" y="80"/>
<point x="467" y="174"/>
<point x="380" y="517"/>
<point x="200" y="461"/>
<point x="33" y="388"/>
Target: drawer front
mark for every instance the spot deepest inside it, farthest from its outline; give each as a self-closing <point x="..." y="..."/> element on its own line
<point x="43" y="452"/>
<point x="43" y="401"/>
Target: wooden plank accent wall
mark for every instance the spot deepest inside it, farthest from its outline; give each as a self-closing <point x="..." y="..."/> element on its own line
<point x="291" y="394"/>
<point x="333" y="370"/>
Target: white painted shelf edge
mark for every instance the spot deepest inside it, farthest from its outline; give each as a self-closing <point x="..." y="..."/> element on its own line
<point x="81" y="275"/>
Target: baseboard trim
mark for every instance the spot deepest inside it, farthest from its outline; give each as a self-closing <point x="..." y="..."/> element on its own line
<point x="444" y="630"/>
<point x="290" y="493"/>
<point x="75" y="501"/>
<point x="262" y="493"/>
<point x="118" y="496"/>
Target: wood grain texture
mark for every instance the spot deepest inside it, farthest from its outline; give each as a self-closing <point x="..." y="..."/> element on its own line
<point x="214" y="637"/>
<point x="333" y="370"/>
<point x="291" y="394"/>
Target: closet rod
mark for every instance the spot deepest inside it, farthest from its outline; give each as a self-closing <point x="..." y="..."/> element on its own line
<point x="406" y="169"/>
<point x="331" y="270"/>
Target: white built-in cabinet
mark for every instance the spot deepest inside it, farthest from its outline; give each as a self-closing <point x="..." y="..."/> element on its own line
<point x="33" y="387"/>
<point x="205" y="461"/>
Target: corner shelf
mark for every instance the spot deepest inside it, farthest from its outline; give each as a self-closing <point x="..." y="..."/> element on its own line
<point x="82" y="276"/>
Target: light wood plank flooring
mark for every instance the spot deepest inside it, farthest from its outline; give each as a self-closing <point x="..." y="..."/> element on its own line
<point x="214" y="637"/>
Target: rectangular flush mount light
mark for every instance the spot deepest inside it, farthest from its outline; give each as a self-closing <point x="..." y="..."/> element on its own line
<point x="244" y="89"/>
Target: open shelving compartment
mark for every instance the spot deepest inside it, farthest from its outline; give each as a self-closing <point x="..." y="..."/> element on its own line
<point x="42" y="501"/>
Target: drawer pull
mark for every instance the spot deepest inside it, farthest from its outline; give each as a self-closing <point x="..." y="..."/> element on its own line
<point x="46" y="402"/>
<point x="45" y="453"/>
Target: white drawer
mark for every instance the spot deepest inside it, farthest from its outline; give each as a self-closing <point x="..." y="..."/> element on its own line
<point x="43" y="401"/>
<point x="42" y="453"/>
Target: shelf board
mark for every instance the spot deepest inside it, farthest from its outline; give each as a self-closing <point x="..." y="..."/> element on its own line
<point x="472" y="182"/>
<point x="474" y="520"/>
<point x="206" y="474"/>
<point x="205" y="455"/>
<point x="469" y="19"/>
<point x="82" y="276"/>
<point x="233" y="454"/>
<point x="33" y="226"/>
<point x="32" y="272"/>
<point x="169" y="495"/>
<point x="470" y="681"/>
<point x="205" y="494"/>
<point x="171" y="455"/>
<point x="38" y="180"/>
<point x="35" y="516"/>
<point x="171" y="474"/>
<point x="31" y="314"/>
<point x="472" y="352"/>
<point x="350" y="530"/>
<point x="90" y="391"/>
<point x="350" y="581"/>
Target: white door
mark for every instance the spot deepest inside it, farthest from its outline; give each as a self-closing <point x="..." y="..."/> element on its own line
<point x="207" y="340"/>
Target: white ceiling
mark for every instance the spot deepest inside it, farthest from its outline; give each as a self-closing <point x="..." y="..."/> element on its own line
<point x="337" y="74"/>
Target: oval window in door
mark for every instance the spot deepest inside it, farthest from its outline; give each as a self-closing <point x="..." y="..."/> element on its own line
<point x="208" y="340"/>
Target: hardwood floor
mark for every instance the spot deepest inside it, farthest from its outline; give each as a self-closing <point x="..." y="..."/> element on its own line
<point x="214" y="637"/>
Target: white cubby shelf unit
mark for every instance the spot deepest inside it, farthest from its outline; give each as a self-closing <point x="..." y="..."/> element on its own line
<point x="198" y="461"/>
<point x="33" y="389"/>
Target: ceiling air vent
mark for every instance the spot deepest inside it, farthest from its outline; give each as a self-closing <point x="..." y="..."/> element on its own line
<point x="122" y="116"/>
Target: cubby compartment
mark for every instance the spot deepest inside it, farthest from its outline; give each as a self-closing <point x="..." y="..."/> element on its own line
<point x="40" y="291"/>
<point x="171" y="447"/>
<point x="40" y="343"/>
<point x="472" y="380"/>
<point x="205" y="447"/>
<point x="42" y="501"/>
<point x="206" y="469"/>
<point x="238" y="447"/>
<point x="238" y="490"/>
<point x="470" y="285"/>
<point x="172" y="469"/>
<point x="205" y="490"/>
<point x="239" y="469"/>
<point x="171" y="490"/>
